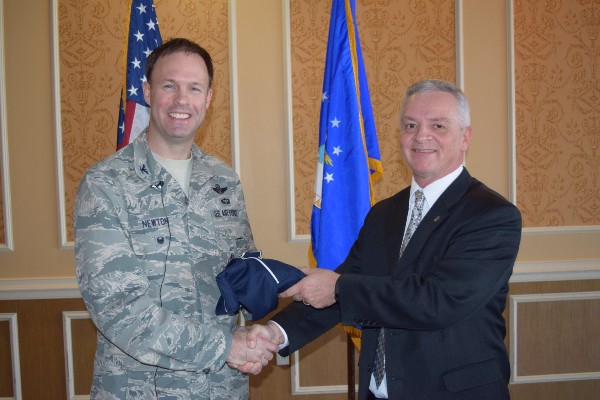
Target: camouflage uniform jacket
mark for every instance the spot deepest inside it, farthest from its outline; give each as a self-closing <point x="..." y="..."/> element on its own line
<point x="147" y="256"/>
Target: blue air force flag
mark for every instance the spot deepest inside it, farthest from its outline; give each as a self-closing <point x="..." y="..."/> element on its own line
<point x="143" y="36"/>
<point x="349" y="158"/>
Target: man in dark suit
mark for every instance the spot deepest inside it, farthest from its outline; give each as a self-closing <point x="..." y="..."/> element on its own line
<point x="437" y="304"/>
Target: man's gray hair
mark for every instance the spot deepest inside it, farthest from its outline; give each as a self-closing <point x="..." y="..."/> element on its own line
<point x="435" y="85"/>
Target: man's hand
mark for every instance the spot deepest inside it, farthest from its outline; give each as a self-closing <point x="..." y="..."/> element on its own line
<point x="316" y="289"/>
<point x="257" y="332"/>
<point x="269" y="331"/>
<point x="249" y="360"/>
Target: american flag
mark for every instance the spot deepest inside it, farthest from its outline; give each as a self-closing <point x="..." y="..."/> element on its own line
<point x="143" y="36"/>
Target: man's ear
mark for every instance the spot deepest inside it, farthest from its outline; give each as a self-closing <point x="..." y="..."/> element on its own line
<point x="146" y="90"/>
<point x="209" y="97"/>
<point x="466" y="138"/>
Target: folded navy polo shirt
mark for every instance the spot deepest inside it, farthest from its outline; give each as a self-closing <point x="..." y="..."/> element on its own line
<point x="253" y="282"/>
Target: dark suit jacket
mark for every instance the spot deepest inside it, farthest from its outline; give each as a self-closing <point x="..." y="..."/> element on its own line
<point x="441" y="304"/>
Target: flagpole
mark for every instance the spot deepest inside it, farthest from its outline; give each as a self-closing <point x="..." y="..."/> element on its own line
<point x="351" y="369"/>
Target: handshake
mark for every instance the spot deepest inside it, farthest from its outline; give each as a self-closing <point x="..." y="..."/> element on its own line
<point x="252" y="347"/>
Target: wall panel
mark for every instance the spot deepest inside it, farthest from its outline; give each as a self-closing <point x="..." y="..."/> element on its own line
<point x="6" y="370"/>
<point x="79" y="335"/>
<point x="10" y="370"/>
<point x="89" y="49"/>
<point x="401" y="42"/>
<point x="554" y="338"/>
<point x="557" y="111"/>
<point x="41" y="349"/>
<point x="554" y="56"/>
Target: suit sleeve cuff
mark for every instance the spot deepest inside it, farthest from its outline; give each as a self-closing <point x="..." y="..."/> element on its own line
<point x="286" y="341"/>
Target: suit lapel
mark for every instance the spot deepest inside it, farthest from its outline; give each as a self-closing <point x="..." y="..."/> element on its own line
<point x="394" y="228"/>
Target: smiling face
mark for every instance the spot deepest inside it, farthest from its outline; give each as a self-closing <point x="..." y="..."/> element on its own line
<point x="432" y="137"/>
<point x="179" y="95"/>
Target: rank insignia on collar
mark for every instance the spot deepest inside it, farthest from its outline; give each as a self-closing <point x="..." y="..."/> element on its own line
<point x="219" y="189"/>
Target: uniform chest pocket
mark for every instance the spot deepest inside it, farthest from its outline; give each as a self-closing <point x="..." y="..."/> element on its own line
<point x="151" y="236"/>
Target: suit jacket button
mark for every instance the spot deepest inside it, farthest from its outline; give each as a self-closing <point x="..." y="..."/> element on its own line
<point x="206" y="370"/>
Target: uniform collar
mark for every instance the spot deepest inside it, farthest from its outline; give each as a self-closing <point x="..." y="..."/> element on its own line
<point x="146" y="166"/>
<point x="148" y="169"/>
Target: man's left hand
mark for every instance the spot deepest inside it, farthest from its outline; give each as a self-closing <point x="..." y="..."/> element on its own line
<point x="316" y="289"/>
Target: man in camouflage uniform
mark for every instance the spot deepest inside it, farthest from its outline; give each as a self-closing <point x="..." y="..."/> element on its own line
<point x="154" y="224"/>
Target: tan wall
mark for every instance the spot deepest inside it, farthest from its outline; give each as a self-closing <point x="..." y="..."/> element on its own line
<point x="557" y="269"/>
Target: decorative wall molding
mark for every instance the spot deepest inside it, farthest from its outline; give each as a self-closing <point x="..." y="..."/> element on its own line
<point x="233" y="80"/>
<point x="68" y="316"/>
<point x="512" y="123"/>
<point x="4" y="164"/>
<point x="544" y="271"/>
<point x="561" y="230"/>
<point x="60" y="192"/>
<point x="515" y="300"/>
<point x="39" y="289"/>
<point x="66" y="288"/>
<point x="293" y="237"/>
<point x="298" y="389"/>
<point x="459" y="44"/>
<point x="14" y="352"/>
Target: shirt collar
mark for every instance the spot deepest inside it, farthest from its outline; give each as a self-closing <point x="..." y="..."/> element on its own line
<point x="435" y="189"/>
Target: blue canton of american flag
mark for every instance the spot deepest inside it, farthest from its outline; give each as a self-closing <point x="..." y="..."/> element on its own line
<point x="349" y="158"/>
<point x="143" y="36"/>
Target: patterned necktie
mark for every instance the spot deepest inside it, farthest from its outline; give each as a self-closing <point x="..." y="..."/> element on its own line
<point x="415" y="219"/>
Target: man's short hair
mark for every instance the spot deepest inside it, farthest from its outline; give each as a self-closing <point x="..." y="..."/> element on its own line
<point x="176" y="45"/>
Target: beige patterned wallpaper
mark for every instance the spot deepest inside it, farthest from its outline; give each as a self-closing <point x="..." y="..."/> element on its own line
<point x="402" y="41"/>
<point x="557" y="82"/>
<point x="92" y="43"/>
